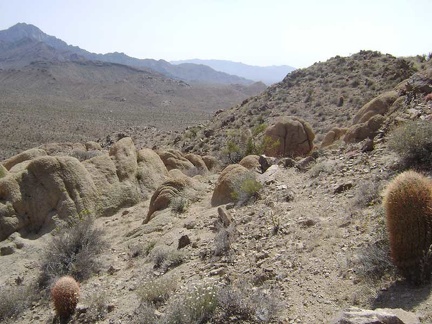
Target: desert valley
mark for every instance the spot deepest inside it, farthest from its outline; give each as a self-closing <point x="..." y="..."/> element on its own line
<point x="175" y="193"/>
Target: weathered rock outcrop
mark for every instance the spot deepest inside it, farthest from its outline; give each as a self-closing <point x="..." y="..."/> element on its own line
<point x="369" y="129"/>
<point x="225" y="185"/>
<point x="333" y="135"/>
<point x="24" y="156"/>
<point x="356" y="315"/>
<point x="38" y="191"/>
<point x="290" y="136"/>
<point x="250" y="162"/>
<point x="49" y="188"/>
<point x="174" y="159"/>
<point x="179" y="185"/>
<point x="377" y="106"/>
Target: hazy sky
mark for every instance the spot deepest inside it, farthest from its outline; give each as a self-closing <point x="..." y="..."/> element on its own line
<point x="257" y="32"/>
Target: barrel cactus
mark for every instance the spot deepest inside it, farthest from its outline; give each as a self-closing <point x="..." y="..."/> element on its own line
<point x="408" y="208"/>
<point x="65" y="295"/>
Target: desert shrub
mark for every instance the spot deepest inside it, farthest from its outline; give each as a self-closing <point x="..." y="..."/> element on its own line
<point x="97" y="307"/>
<point x="367" y="193"/>
<point x="373" y="260"/>
<point x="165" y="258"/>
<point x="243" y="304"/>
<point x="72" y="251"/>
<point x="247" y="142"/>
<point x="145" y="313"/>
<point x="137" y="250"/>
<point x="196" y="304"/>
<point x="246" y="188"/>
<point x="223" y="239"/>
<point x="325" y="167"/>
<point x="413" y="143"/>
<point x="14" y="300"/>
<point x="157" y="291"/>
<point x="408" y="209"/>
<point x="179" y="204"/>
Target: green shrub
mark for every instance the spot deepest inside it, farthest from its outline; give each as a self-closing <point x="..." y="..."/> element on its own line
<point x="72" y="251"/>
<point x="246" y="188"/>
<point x="413" y="143"/>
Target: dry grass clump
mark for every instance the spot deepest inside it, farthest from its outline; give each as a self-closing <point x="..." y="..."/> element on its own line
<point x="165" y="258"/>
<point x="72" y="251"/>
<point x="367" y="193"/>
<point x="413" y="143"/>
<point x="179" y="204"/>
<point x="157" y="291"/>
<point x="14" y="300"/>
<point x="97" y="307"/>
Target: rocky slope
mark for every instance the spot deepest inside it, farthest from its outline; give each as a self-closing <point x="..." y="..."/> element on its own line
<point x="326" y="95"/>
<point x="296" y="241"/>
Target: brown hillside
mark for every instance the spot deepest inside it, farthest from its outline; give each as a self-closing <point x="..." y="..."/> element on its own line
<point x="326" y="95"/>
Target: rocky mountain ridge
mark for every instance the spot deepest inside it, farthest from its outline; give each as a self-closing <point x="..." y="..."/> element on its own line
<point x="266" y="74"/>
<point x="13" y="37"/>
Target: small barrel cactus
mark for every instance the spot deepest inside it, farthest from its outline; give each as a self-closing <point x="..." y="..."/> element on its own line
<point x="408" y="208"/>
<point x="65" y="295"/>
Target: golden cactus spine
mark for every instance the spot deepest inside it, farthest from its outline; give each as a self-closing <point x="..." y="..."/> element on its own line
<point x="65" y="295"/>
<point x="408" y="208"/>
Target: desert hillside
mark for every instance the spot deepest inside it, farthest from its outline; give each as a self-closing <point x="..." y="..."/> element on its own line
<point x="199" y="226"/>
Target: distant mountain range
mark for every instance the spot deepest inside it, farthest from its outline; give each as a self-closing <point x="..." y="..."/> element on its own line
<point x="266" y="74"/>
<point x="23" y="43"/>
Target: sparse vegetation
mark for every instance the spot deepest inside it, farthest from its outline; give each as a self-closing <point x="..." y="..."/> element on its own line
<point x="179" y="204"/>
<point x="14" y="300"/>
<point x="413" y="143"/>
<point x="246" y="188"/>
<point x="165" y="258"/>
<point x="196" y="304"/>
<point x="72" y="251"/>
<point x="157" y="290"/>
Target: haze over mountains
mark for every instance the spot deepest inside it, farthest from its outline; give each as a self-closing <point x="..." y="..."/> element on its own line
<point x="266" y="74"/>
<point x="20" y="34"/>
<point x="83" y="96"/>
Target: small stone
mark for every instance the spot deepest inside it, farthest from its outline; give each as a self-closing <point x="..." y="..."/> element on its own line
<point x="343" y="187"/>
<point x="183" y="241"/>
<point x="224" y="217"/>
<point x="7" y="249"/>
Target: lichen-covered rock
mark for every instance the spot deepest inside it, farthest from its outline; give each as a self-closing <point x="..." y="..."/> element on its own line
<point x="225" y="185"/>
<point x="369" y="129"/>
<point x="290" y="136"/>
